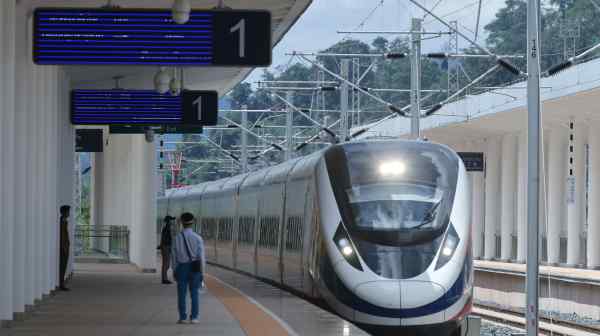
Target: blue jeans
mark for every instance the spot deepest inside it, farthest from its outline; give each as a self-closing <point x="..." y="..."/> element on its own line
<point x="187" y="280"/>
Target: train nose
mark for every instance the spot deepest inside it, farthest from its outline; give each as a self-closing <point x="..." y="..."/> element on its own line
<point x="396" y="294"/>
<point x="381" y="293"/>
<point x="416" y="293"/>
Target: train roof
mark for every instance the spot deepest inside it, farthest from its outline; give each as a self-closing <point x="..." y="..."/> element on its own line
<point x="234" y="182"/>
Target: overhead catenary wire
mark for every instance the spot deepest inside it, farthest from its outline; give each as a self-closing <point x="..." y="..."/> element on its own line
<point x="261" y="138"/>
<point x="293" y="107"/>
<point x="368" y="17"/>
<point x="389" y="105"/>
<point x="501" y="61"/>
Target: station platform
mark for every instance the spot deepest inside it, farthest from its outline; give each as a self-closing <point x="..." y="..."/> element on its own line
<point x="115" y="300"/>
<point x="579" y="275"/>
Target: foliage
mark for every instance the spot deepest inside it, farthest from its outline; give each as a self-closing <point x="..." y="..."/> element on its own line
<point x="505" y="35"/>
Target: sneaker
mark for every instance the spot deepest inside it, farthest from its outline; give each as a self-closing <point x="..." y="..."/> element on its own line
<point x="181" y="322"/>
<point x="166" y="282"/>
<point x="194" y="321"/>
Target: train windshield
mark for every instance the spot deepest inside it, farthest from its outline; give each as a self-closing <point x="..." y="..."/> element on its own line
<point x="394" y="192"/>
<point x="395" y="206"/>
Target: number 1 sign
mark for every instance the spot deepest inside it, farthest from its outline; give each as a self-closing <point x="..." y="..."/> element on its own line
<point x="114" y="36"/>
<point x="143" y="108"/>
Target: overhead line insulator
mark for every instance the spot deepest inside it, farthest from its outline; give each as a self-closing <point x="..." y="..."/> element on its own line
<point x="359" y="132"/>
<point x="433" y="109"/>
<point x="437" y="55"/>
<point x="302" y="145"/>
<point x="328" y="131"/>
<point x="396" y="110"/>
<point x="328" y="88"/>
<point x="560" y="67"/>
<point x="393" y="55"/>
<point x="508" y="66"/>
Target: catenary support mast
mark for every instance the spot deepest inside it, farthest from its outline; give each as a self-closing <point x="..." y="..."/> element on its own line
<point x="415" y="79"/>
<point x="533" y="167"/>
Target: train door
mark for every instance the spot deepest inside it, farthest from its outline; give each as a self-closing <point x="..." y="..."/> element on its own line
<point x="257" y="225"/>
<point x="280" y="234"/>
<point x="293" y="237"/>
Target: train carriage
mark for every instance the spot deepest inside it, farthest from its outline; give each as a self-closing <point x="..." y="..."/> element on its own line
<point x="377" y="229"/>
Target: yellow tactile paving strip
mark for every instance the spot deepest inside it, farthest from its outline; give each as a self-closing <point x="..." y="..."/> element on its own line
<point x="253" y="320"/>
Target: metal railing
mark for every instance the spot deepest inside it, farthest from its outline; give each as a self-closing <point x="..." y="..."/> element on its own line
<point x="100" y="241"/>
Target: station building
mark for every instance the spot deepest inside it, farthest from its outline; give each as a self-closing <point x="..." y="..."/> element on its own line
<point x="495" y="123"/>
<point x="37" y="148"/>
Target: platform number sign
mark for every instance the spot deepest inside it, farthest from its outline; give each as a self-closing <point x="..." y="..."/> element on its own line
<point x="241" y="27"/>
<point x="243" y="38"/>
<point x="474" y="161"/>
<point x="198" y="104"/>
<point x="117" y="36"/>
<point x="200" y="108"/>
<point x="89" y="141"/>
<point x="143" y="108"/>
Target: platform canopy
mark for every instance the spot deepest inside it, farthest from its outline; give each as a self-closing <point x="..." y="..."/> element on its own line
<point x="284" y="14"/>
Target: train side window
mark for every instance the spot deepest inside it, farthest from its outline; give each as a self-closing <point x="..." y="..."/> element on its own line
<point x="246" y="230"/>
<point x="205" y="228"/>
<point x="262" y="234"/>
<point x="225" y="228"/>
<point x="268" y="232"/>
<point x="294" y="233"/>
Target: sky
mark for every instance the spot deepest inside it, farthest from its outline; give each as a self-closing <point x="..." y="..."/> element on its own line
<point x="317" y="28"/>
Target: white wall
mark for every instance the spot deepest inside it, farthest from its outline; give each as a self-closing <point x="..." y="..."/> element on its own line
<point x="36" y="158"/>
<point x="124" y="193"/>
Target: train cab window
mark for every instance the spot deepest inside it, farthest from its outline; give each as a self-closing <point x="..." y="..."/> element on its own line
<point x="394" y="195"/>
<point x="395" y="206"/>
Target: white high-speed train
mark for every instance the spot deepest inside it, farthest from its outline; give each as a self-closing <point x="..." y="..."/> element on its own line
<point x="377" y="229"/>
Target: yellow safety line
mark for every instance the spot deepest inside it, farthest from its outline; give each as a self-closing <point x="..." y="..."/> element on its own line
<point x="253" y="320"/>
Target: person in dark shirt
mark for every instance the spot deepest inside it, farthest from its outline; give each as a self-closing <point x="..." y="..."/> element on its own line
<point x="166" y="243"/>
<point x="65" y="245"/>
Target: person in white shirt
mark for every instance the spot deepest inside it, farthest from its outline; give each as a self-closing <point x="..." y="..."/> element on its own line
<point x="188" y="263"/>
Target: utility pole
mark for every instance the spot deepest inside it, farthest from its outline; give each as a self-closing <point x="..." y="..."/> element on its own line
<point x="344" y="73"/>
<point x="355" y="93"/>
<point x="415" y="78"/>
<point x="533" y="165"/>
<point x="244" y="156"/>
<point x="289" y="130"/>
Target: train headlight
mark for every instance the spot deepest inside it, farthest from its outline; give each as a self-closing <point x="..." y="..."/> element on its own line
<point x="344" y="245"/>
<point x="448" y="247"/>
<point x="392" y="168"/>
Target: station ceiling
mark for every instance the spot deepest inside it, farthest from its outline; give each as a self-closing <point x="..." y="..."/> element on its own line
<point x="284" y="14"/>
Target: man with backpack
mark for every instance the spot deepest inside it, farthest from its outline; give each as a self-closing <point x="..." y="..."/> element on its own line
<point x="188" y="265"/>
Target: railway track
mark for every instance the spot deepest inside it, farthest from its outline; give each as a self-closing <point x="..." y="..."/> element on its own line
<point x="546" y="325"/>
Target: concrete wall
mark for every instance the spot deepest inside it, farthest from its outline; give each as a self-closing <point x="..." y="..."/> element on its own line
<point x="124" y="194"/>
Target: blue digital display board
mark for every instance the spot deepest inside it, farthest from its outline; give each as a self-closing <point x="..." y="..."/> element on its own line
<point x="151" y="37"/>
<point x="143" y="107"/>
